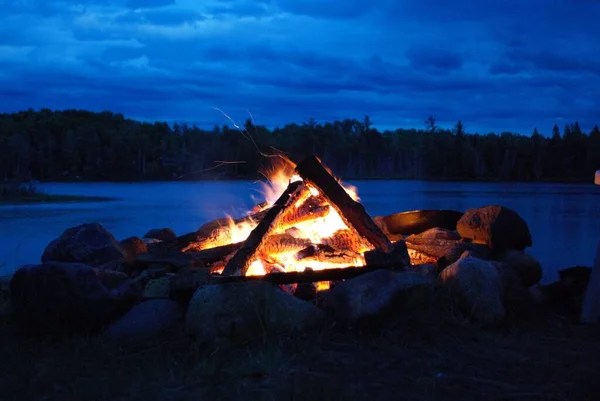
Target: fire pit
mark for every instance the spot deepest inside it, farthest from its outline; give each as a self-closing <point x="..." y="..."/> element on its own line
<point x="311" y="228"/>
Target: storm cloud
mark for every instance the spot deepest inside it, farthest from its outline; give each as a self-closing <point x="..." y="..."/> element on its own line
<point x="496" y="65"/>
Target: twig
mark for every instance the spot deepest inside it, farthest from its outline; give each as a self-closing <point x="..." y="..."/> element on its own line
<point x="220" y="163"/>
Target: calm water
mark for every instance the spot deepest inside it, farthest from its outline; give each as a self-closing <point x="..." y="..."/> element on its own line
<point x="564" y="219"/>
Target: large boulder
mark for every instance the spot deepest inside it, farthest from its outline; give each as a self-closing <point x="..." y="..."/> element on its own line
<point x="497" y="227"/>
<point x="527" y="267"/>
<point x="371" y="295"/>
<point x="479" y="285"/>
<point x="163" y="234"/>
<point x="240" y="311"/>
<point x="133" y="246"/>
<point x="56" y="296"/>
<point x="517" y="299"/>
<point x="89" y="243"/>
<point x="145" y="323"/>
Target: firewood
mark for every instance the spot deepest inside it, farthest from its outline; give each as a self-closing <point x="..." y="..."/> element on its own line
<point x="325" y="253"/>
<point x="212" y="255"/>
<point x="311" y="209"/>
<point x="345" y="239"/>
<point x="245" y="255"/>
<point x="352" y="213"/>
<point x="219" y="228"/>
<point x="399" y="256"/>
<point x="183" y="289"/>
<point x="276" y="244"/>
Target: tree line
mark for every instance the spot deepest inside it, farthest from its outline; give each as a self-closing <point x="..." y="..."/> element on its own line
<point x="82" y="145"/>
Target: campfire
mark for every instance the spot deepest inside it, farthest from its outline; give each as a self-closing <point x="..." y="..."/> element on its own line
<point x="309" y="221"/>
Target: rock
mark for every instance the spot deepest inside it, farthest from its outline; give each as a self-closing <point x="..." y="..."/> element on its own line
<point x="498" y="227"/>
<point x="444" y="252"/>
<point x="568" y="292"/>
<point x="469" y="253"/>
<point x="133" y="246"/>
<point x="527" y="268"/>
<point x="111" y="279"/>
<point x="479" y="251"/>
<point x="516" y="298"/>
<point x="480" y="286"/>
<point x="145" y="323"/>
<point x="435" y="233"/>
<point x="397" y="257"/>
<point x="433" y="247"/>
<point x="175" y="259"/>
<point x="425" y="269"/>
<point x="55" y="296"/>
<point x="244" y="310"/>
<point x="87" y="243"/>
<point x="6" y="310"/>
<point x="158" y="288"/>
<point x="536" y="294"/>
<point x="370" y="295"/>
<point x="576" y="276"/>
<point x="163" y="234"/>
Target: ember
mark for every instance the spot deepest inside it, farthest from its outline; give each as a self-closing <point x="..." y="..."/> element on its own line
<point x="309" y="220"/>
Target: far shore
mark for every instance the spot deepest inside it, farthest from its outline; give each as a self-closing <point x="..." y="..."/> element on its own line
<point x="343" y="178"/>
<point x="38" y="198"/>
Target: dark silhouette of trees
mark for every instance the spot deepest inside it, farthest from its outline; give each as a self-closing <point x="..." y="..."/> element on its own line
<point x="82" y="145"/>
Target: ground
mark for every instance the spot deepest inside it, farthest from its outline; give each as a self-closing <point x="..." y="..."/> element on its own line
<point x="425" y="355"/>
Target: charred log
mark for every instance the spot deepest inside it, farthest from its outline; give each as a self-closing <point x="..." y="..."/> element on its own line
<point x="186" y="284"/>
<point x="238" y="265"/>
<point x="352" y="213"/>
<point x="397" y="258"/>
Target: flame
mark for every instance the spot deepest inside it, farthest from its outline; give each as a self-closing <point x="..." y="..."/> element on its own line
<point x="257" y="268"/>
<point x="281" y="173"/>
<point x="315" y="230"/>
<point x="241" y="231"/>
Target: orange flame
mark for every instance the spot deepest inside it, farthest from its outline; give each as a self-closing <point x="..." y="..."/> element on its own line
<point x="315" y="231"/>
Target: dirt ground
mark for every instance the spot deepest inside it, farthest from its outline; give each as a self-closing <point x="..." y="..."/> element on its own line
<point x="414" y="354"/>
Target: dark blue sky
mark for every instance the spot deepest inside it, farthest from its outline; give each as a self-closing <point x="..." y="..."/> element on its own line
<point x="497" y="65"/>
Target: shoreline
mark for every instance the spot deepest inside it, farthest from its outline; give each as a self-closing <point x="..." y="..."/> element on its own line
<point x="51" y="199"/>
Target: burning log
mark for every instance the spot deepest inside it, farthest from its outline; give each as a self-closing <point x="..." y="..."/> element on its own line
<point x="325" y="253"/>
<point x="188" y="282"/>
<point x="352" y="213"/>
<point x="345" y="239"/>
<point x="312" y="208"/>
<point x="220" y="232"/>
<point x="213" y="255"/>
<point x="238" y="265"/>
<point x="277" y="244"/>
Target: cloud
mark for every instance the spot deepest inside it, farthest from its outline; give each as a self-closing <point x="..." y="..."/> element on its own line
<point x="489" y="63"/>
<point x="148" y="3"/>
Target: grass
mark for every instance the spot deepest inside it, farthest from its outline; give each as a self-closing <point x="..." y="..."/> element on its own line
<point x="18" y="193"/>
<point x="425" y="351"/>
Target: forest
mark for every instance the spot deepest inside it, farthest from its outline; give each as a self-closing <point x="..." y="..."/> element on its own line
<point x="71" y="145"/>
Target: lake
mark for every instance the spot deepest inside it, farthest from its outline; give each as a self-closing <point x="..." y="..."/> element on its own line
<point x="564" y="219"/>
